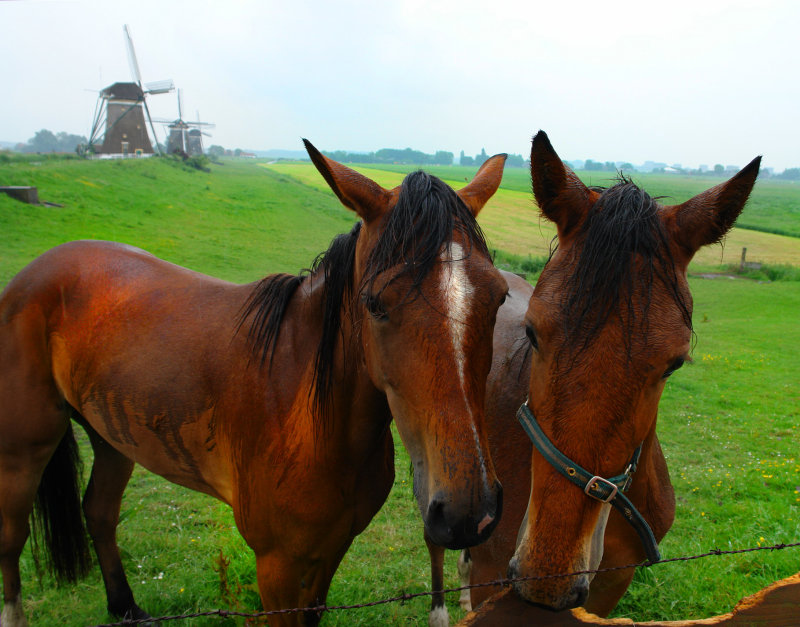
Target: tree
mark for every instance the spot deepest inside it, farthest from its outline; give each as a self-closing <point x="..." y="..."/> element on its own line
<point x="67" y="142"/>
<point x="592" y="165"/>
<point x="47" y="141"/>
<point x="464" y="160"/>
<point x="719" y="169"/>
<point x="216" y="151"/>
<point x="43" y="141"/>
<point x="442" y="157"/>
<point x="791" y="174"/>
<point x="481" y="158"/>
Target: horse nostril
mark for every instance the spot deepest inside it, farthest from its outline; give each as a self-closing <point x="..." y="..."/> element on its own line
<point x="435" y="521"/>
<point x="581" y="592"/>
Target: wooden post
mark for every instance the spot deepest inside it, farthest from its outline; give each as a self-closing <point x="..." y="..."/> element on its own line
<point x="741" y="264"/>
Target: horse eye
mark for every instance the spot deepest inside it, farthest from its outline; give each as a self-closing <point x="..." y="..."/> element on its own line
<point x="531" y="333"/>
<point x="675" y="365"/>
<point x="374" y="306"/>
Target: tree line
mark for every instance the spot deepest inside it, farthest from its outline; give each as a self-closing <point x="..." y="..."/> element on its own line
<point x="47" y="141"/>
<point x="392" y="155"/>
<point x="407" y="156"/>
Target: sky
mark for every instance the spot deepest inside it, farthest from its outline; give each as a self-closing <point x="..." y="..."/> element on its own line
<point x="681" y="82"/>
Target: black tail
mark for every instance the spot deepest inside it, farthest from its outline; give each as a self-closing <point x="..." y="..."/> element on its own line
<point x="57" y="514"/>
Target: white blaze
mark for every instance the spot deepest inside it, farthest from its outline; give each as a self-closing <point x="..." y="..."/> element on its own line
<point x="458" y="293"/>
<point x="458" y="296"/>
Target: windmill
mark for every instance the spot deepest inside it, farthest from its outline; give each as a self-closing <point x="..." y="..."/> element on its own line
<point x="118" y="126"/>
<point x="185" y="137"/>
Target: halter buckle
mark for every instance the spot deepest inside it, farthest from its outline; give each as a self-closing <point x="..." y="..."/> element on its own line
<point x="590" y="486"/>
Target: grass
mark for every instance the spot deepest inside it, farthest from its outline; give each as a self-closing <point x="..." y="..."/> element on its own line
<point x="514" y="225"/>
<point x="729" y="423"/>
<point x="232" y="222"/>
<point x="773" y="208"/>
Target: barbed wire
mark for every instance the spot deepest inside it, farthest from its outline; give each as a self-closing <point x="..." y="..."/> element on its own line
<point x="403" y="597"/>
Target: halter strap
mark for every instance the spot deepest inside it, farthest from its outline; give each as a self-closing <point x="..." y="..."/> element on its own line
<point x="605" y="490"/>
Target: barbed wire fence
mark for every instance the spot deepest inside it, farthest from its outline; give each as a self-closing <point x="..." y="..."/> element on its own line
<point x="404" y="597"/>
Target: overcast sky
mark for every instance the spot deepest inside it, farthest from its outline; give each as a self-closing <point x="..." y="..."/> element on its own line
<point x="690" y="82"/>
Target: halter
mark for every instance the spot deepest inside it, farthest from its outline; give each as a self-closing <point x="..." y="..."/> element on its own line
<point x="608" y="491"/>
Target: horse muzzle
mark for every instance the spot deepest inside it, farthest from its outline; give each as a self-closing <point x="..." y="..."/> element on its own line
<point x="556" y="594"/>
<point x="458" y="526"/>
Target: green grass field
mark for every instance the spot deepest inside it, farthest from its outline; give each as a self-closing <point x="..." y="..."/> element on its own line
<point x="729" y="422"/>
<point x="773" y="208"/>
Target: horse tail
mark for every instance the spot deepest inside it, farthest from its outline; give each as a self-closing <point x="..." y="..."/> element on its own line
<point x="57" y="514"/>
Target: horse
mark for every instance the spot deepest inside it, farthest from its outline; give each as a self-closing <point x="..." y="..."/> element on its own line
<point x="608" y="322"/>
<point x="275" y="397"/>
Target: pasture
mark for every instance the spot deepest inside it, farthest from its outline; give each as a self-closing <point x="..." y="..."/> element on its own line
<point x="729" y="422"/>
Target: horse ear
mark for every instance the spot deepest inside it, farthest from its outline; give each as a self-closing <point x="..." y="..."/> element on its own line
<point x="560" y="194"/>
<point x="481" y="188"/>
<point x="357" y="192"/>
<point x="706" y="218"/>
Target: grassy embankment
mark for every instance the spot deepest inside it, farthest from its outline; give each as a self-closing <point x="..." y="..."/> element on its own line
<point x="729" y="423"/>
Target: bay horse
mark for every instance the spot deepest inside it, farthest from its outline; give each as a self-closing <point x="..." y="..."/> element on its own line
<point x="609" y="320"/>
<point x="275" y="397"/>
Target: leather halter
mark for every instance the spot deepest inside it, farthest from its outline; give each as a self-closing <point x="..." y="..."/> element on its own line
<point x="604" y="490"/>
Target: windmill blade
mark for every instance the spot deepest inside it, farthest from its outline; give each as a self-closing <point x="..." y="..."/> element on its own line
<point x="152" y="128"/>
<point x="180" y="111"/>
<point x="132" y="57"/>
<point x="160" y="87"/>
<point x="98" y="123"/>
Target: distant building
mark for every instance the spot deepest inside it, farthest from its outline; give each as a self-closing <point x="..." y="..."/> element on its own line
<point x="125" y="131"/>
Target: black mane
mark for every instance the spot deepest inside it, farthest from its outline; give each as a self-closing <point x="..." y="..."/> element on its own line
<point x="427" y="215"/>
<point x="622" y="248"/>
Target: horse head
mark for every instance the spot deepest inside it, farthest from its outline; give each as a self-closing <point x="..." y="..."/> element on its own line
<point x="609" y="321"/>
<point x="426" y="295"/>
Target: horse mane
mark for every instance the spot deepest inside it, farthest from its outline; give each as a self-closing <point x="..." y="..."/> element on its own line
<point x="427" y="214"/>
<point x="622" y="245"/>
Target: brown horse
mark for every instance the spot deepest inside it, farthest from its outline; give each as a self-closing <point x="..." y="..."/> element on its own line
<point x="275" y="397"/>
<point x="607" y="323"/>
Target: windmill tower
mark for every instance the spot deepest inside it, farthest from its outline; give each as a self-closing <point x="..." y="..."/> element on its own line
<point x="185" y="137"/>
<point x="121" y="114"/>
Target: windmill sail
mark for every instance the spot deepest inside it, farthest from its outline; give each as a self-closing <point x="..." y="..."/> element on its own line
<point x="121" y="119"/>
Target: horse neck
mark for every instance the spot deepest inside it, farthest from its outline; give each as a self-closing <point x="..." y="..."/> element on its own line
<point x="359" y="411"/>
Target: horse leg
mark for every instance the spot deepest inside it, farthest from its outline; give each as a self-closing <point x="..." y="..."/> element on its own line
<point x="101" y="506"/>
<point x="284" y="584"/>
<point x="21" y="470"/>
<point x="438" y="616"/>
<point x="18" y="484"/>
<point x="464" y="574"/>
